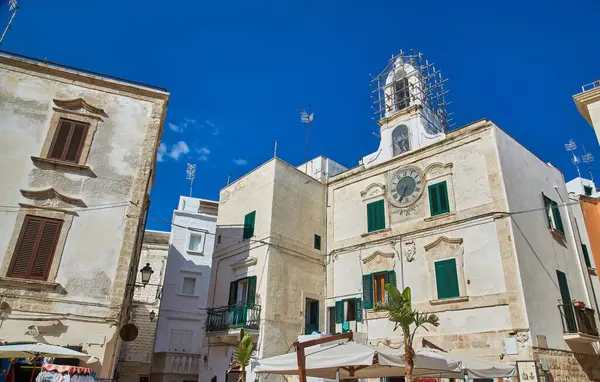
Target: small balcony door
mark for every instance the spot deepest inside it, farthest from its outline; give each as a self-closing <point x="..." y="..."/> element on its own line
<point x="565" y="296"/>
<point x="311" y="316"/>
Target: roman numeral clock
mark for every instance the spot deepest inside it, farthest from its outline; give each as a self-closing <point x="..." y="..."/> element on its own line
<point x="405" y="187"/>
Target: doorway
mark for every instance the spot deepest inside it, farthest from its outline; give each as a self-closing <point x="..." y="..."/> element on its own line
<point x="311" y="316"/>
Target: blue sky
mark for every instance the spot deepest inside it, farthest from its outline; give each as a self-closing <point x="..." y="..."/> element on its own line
<point x="239" y="72"/>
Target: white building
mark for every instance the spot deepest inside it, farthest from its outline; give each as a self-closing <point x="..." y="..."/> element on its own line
<point x="582" y="186"/>
<point x="180" y="329"/>
<point x="136" y="355"/>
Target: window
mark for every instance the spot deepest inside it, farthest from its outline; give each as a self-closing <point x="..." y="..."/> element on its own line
<point x="68" y="140"/>
<point x="374" y="287"/>
<point x="586" y="256"/>
<point x="400" y="140"/>
<point x="189" y="286"/>
<point x="553" y="214"/>
<point x="196" y="242"/>
<point x="35" y="248"/>
<point x="588" y="190"/>
<point x="565" y="295"/>
<point x="249" y="225"/>
<point x="242" y="291"/>
<point x="331" y="316"/>
<point x="348" y="310"/>
<point x="311" y="316"/>
<point x="446" y="279"/>
<point x="438" y="199"/>
<point x="143" y="378"/>
<point x="376" y="216"/>
<point x="401" y="94"/>
<point x="317" y="242"/>
<point x="181" y="341"/>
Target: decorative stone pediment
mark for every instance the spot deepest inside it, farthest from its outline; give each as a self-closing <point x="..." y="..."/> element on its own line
<point x="49" y="197"/>
<point x="79" y="104"/>
<point x="246" y="263"/>
<point x="378" y="261"/>
<point x="437" y="169"/>
<point x="372" y="191"/>
<point x="443" y="240"/>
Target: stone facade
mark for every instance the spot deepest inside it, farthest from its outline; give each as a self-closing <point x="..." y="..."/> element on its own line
<point x="135" y="356"/>
<point x="101" y="199"/>
<point x="569" y="366"/>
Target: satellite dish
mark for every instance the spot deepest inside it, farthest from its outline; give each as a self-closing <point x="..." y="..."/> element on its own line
<point x="128" y="332"/>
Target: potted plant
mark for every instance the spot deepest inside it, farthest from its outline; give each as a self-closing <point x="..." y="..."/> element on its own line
<point x="579" y="304"/>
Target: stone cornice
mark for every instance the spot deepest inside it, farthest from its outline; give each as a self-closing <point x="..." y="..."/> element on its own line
<point x="51" y="193"/>
<point x="375" y="254"/>
<point x="443" y="239"/>
<point x="246" y="263"/>
<point x="78" y="103"/>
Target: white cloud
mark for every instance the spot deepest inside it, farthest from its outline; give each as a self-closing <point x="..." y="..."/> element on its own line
<point x="175" y="127"/>
<point x="179" y="148"/>
<point x="203" y="158"/>
<point x="189" y="121"/>
<point x="203" y="151"/>
<point x="240" y="162"/>
<point x="209" y="123"/>
<point x="162" y="150"/>
<point x="215" y="131"/>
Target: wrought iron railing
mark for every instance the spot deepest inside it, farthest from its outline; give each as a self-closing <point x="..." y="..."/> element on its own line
<point x="578" y="319"/>
<point x="233" y="316"/>
<point x="590" y="86"/>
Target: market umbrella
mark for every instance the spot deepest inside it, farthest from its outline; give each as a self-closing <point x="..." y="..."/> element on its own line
<point x="471" y="367"/>
<point x="40" y="350"/>
<point x="352" y="360"/>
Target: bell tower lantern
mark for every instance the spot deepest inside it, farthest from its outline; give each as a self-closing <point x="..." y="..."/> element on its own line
<point x="410" y="107"/>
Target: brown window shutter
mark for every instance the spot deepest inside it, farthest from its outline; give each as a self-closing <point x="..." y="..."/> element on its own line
<point x="35" y="249"/>
<point x="68" y="141"/>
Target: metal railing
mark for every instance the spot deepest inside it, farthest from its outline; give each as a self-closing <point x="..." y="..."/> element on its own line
<point x="233" y="316"/>
<point x="578" y="319"/>
<point x="590" y="86"/>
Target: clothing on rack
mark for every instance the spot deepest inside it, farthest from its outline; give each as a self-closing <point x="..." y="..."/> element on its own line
<point x="64" y="373"/>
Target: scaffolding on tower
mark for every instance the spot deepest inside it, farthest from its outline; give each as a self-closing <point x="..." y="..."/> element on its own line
<point x="416" y="81"/>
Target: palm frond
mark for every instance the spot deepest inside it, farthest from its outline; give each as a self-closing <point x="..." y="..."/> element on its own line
<point x="242" y="354"/>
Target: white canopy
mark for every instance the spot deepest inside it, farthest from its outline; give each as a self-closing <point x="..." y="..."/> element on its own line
<point x="42" y="350"/>
<point x="353" y="360"/>
<point x="471" y="367"/>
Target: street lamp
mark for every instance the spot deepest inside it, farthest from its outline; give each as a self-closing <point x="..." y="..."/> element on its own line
<point x="152" y="315"/>
<point x="146" y="274"/>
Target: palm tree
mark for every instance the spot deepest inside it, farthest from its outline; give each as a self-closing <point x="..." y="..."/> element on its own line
<point x="400" y="312"/>
<point x="243" y="353"/>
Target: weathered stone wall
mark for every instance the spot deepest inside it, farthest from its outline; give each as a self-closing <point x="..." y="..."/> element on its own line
<point x="566" y="366"/>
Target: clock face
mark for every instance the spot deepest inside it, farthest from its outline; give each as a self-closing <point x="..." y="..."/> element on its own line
<point x="405" y="186"/>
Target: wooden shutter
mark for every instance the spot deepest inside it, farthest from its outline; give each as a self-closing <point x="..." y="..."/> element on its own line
<point x="390" y="278"/>
<point x="339" y="312"/>
<point x="446" y="279"/>
<point x="68" y="140"/>
<point x="251" y="290"/>
<point x="35" y="248"/>
<point x="547" y="203"/>
<point x="232" y="293"/>
<point x="317" y="242"/>
<point x="586" y="256"/>
<point x="358" y="306"/>
<point x="249" y="225"/>
<point x="367" y="289"/>
<point x="557" y="219"/>
<point x="438" y="199"/>
<point x="376" y="216"/>
<point x="565" y="295"/>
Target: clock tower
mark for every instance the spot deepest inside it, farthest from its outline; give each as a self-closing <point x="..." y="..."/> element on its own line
<point x="409" y="106"/>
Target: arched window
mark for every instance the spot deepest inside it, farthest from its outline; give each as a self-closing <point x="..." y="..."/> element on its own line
<point x="401" y="93"/>
<point x="400" y="141"/>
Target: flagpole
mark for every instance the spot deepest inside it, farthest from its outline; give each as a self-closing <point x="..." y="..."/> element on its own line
<point x="307" y="133"/>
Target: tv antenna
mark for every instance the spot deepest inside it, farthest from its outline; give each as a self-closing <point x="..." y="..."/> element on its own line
<point x="306" y="118"/>
<point x="572" y="146"/>
<point x="587" y="158"/>
<point x="13" y="7"/>
<point x="190" y="174"/>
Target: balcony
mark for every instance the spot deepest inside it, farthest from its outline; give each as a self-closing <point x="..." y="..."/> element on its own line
<point x="224" y="324"/>
<point x="176" y="363"/>
<point x="579" y="323"/>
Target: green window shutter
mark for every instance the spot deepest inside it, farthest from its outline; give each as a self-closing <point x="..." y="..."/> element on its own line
<point x="251" y="290"/>
<point x="317" y="242"/>
<point x="547" y="203"/>
<point x="586" y="256"/>
<point x="339" y="312"/>
<point x="446" y="279"/>
<point x="249" y="225"/>
<point x="557" y="220"/>
<point x="390" y="277"/>
<point x="358" y="306"/>
<point x="438" y="199"/>
<point x="367" y="287"/>
<point x="376" y="216"/>
<point x="232" y="293"/>
<point x="565" y="294"/>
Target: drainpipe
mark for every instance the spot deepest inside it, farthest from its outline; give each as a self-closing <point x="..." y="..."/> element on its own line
<point x="324" y="258"/>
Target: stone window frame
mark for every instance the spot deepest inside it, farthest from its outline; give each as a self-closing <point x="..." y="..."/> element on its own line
<point x="189" y="239"/>
<point x="91" y="120"/>
<point x="437" y="173"/>
<point x="375" y="192"/>
<point x="457" y="253"/>
<point x="67" y="219"/>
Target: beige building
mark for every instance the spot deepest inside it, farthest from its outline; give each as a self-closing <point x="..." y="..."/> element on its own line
<point x="78" y="152"/>
<point x="588" y="104"/>
<point x="135" y="356"/>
